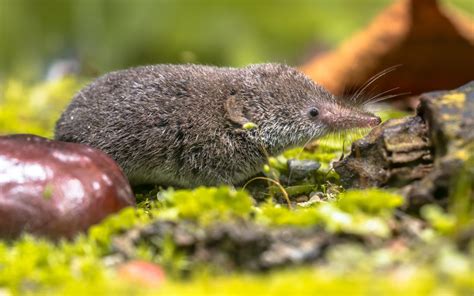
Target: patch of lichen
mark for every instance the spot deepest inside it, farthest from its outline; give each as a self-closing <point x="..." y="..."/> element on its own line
<point x="455" y="99"/>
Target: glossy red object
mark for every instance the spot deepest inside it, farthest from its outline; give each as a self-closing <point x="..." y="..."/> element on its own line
<point x="56" y="189"/>
<point x="143" y="272"/>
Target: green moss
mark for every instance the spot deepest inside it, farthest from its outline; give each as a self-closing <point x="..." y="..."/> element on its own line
<point x="307" y="281"/>
<point x="272" y="214"/>
<point x="372" y="201"/>
<point x="326" y="150"/>
<point x="101" y="234"/>
<point x="204" y="205"/>
<point x="441" y="221"/>
<point x="34" y="265"/>
<point x="363" y="212"/>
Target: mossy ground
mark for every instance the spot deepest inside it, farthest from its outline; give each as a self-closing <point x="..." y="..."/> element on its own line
<point x="396" y="253"/>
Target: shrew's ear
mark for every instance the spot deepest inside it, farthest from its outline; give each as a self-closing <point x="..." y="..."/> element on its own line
<point x="235" y="111"/>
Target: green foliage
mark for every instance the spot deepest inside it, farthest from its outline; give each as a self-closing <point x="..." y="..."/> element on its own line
<point x="34" y="109"/>
<point x="103" y="34"/>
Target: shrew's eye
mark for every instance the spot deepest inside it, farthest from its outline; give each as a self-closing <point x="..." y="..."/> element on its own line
<point x="313" y="112"/>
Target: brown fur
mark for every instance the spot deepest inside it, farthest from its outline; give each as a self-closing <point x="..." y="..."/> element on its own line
<point x="181" y="125"/>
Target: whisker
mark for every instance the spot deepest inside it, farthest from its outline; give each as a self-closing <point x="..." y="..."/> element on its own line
<point x="371" y="80"/>
<point x="384" y="92"/>
<point x="373" y="101"/>
<point x="374" y="97"/>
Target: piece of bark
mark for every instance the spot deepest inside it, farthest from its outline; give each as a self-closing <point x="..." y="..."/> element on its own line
<point x="431" y="154"/>
<point x="395" y="154"/>
<point x="449" y="116"/>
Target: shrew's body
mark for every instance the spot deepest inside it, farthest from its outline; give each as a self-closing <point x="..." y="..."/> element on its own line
<point x="181" y="125"/>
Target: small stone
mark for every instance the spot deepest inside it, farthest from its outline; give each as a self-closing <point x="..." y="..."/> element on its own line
<point x="315" y="197"/>
<point x="300" y="169"/>
<point x="302" y="198"/>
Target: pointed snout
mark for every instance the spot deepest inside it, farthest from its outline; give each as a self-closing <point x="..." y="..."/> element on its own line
<point x="342" y="117"/>
<point x="359" y="120"/>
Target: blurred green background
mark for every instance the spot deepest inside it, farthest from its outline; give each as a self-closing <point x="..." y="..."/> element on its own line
<point x="102" y="35"/>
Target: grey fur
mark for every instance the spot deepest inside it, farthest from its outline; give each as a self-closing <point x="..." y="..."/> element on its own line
<point x="181" y="125"/>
